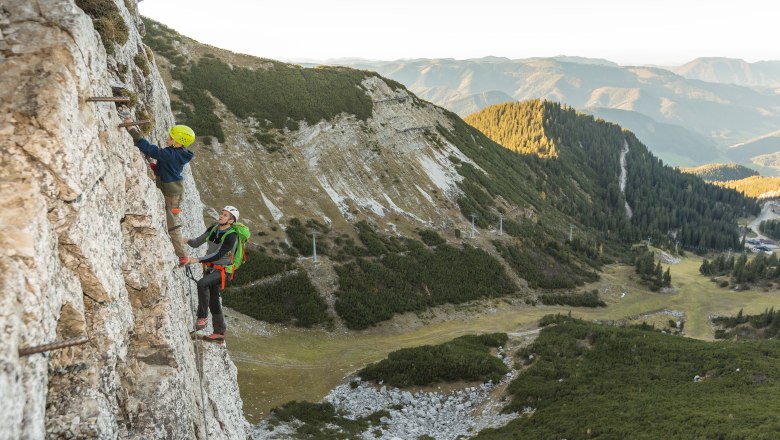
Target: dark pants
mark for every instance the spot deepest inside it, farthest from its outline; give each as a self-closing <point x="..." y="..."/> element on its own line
<point x="208" y="299"/>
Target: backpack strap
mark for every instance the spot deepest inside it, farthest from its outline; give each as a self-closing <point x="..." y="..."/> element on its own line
<point x="211" y="232"/>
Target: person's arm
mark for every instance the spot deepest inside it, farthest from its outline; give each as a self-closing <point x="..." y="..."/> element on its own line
<point x="198" y="241"/>
<point x="228" y="245"/>
<point x="153" y="151"/>
<point x="135" y="133"/>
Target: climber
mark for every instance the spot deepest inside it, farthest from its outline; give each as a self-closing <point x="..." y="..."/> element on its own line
<point x="222" y="243"/>
<point x="170" y="163"/>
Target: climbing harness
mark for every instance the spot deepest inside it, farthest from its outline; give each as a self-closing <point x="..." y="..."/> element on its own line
<point x="221" y="270"/>
<point x="198" y="358"/>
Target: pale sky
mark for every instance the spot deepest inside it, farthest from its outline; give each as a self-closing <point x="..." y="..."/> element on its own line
<point x="660" y="32"/>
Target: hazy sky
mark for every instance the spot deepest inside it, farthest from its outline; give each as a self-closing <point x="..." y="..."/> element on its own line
<point x="663" y="32"/>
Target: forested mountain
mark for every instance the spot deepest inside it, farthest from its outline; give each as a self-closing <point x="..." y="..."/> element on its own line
<point x="720" y="171"/>
<point x="732" y="71"/>
<point x="743" y="179"/>
<point x="587" y="153"/>
<point x="389" y="183"/>
<point x="760" y="187"/>
<point x="725" y="114"/>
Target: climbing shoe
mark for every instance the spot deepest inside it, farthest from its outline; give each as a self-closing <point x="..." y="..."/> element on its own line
<point x="215" y="337"/>
<point x="182" y="260"/>
<point x="200" y="323"/>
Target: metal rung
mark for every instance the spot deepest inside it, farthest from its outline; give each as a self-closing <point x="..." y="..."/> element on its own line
<point x="109" y="99"/>
<point x="132" y="124"/>
<point x="26" y="351"/>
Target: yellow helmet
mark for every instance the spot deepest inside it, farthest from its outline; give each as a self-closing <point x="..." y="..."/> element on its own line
<point x="182" y="135"/>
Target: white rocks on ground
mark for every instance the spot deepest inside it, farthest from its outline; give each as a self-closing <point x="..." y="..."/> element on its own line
<point x="441" y="415"/>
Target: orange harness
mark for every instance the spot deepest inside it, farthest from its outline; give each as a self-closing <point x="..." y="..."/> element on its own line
<point x="221" y="269"/>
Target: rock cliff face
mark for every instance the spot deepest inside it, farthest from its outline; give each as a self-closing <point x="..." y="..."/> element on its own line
<point x="83" y="244"/>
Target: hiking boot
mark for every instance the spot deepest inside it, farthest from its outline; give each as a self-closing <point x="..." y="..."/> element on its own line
<point x="215" y="337"/>
<point x="200" y="323"/>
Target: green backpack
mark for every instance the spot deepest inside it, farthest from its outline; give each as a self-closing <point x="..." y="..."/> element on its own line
<point x="242" y="233"/>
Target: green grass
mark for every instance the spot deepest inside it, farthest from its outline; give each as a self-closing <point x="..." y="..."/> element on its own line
<point x="638" y="383"/>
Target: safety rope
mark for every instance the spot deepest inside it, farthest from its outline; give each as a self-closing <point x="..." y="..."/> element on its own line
<point x="198" y="357"/>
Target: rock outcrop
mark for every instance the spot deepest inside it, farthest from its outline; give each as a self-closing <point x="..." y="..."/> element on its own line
<point x="83" y="244"/>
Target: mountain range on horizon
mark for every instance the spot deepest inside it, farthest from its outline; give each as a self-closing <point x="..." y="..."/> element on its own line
<point x="688" y="115"/>
<point x="724" y="70"/>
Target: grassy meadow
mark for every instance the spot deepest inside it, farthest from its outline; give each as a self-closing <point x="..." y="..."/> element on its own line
<point x="305" y="364"/>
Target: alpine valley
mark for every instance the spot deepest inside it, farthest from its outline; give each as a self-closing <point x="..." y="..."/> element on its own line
<point x="387" y="225"/>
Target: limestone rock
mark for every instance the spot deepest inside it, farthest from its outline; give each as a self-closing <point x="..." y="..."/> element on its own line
<point x="85" y="249"/>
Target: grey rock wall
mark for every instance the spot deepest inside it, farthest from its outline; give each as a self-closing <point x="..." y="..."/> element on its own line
<point x="84" y="248"/>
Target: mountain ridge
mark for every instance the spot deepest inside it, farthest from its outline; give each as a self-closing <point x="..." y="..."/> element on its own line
<point x="723" y="113"/>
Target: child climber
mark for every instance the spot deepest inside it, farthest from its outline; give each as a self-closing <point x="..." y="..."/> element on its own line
<point x="170" y="163"/>
<point x="222" y="241"/>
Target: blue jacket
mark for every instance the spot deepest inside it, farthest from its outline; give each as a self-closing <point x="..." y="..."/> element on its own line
<point x="170" y="161"/>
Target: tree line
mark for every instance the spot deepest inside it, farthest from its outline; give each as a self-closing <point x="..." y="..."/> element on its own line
<point x="741" y="270"/>
<point x="765" y="325"/>
<point x="770" y="228"/>
<point x="651" y="271"/>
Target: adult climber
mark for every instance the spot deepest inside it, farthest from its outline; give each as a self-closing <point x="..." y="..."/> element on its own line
<point x="222" y="243"/>
<point x="170" y="163"/>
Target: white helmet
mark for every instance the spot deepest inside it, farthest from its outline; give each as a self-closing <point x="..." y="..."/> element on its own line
<point x="232" y="210"/>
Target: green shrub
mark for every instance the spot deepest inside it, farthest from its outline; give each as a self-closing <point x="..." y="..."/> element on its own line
<point x="414" y="277"/>
<point x="546" y="269"/>
<point x="639" y="383"/>
<point x="108" y="22"/>
<point x="321" y="421"/>
<point x="142" y="64"/>
<point x="282" y="94"/>
<point x="431" y="238"/>
<point x="585" y="299"/>
<point x="259" y="265"/>
<point x="291" y="300"/>
<point x="301" y="236"/>
<point x="465" y="358"/>
<point x="765" y="325"/>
